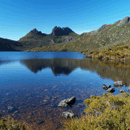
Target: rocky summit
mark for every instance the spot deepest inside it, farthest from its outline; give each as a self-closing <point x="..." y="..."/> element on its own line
<point x="36" y="32"/>
<point x="58" y="31"/>
<point x="125" y="20"/>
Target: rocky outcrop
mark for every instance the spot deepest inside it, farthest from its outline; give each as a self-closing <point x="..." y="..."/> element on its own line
<point x="67" y="38"/>
<point x="67" y="102"/>
<point x="58" y="31"/>
<point x="104" y="26"/>
<point x="94" y="32"/>
<point x="124" y="21"/>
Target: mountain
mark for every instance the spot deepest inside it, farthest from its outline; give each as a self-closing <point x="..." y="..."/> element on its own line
<point x="36" y="38"/>
<point x="58" y="31"/>
<point x="108" y="35"/>
<point x="9" y="45"/>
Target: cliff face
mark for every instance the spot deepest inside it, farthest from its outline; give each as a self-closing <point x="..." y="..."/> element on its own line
<point x="58" y="31"/>
<point x="36" y="32"/>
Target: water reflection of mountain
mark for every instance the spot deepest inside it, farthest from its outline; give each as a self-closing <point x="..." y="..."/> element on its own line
<point x="66" y="66"/>
<point x="58" y="66"/>
<point x="115" y="71"/>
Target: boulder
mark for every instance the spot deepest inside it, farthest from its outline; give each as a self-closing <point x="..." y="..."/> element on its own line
<point x="67" y="102"/>
<point x="68" y="114"/>
<point x="121" y="91"/>
<point x="128" y="89"/>
<point x="118" y="83"/>
<point x="111" y="89"/>
<point x="106" y="87"/>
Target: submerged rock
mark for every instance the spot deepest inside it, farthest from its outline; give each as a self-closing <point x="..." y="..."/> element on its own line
<point x="68" y="114"/>
<point x="67" y="102"/>
<point x="111" y="90"/>
<point x="121" y="91"/>
<point x="106" y="87"/>
<point x="11" y="109"/>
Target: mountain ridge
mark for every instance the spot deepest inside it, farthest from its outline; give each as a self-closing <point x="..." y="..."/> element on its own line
<point x="106" y="36"/>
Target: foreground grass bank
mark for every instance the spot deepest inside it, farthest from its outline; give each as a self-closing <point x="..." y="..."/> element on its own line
<point x="11" y="124"/>
<point x="108" y="112"/>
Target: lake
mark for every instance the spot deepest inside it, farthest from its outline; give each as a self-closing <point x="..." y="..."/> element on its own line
<point x="33" y="83"/>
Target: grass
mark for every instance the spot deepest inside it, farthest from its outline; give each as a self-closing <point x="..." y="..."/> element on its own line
<point x="11" y="124"/>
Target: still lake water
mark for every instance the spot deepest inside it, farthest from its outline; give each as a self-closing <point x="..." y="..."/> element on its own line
<point x="33" y="83"/>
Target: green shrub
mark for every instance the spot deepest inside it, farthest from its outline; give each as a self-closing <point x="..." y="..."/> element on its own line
<point x="108" y="112"/>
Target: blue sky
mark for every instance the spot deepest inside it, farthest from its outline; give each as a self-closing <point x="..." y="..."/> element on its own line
<point x="18" y="17"/>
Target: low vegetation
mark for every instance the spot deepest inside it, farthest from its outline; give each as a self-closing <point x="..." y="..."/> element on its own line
<point x="10" y="124"/>
<point x="118" y="52"/>
<point x="108" y="112"/>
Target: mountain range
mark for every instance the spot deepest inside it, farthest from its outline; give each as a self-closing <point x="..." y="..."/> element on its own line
<point x="107" y="35"/>
<point x="64" y="39"/>
<point x="36" y="38"/>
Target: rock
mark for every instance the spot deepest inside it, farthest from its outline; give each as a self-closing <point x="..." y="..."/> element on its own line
<point x="68" y="114"/>
<point x="118" y="83"/>
<point x="121" y="91"/>
<point x="36" y="32"/>
<point x="67" y="38"/>
<point x="11" y="109"/>
<point x="63" y="103"/>
<point x="128" y="89"/>
<point x="124" y="21"/>
<point x="104" y="26"/>
<point x="94" y="32"/>
<point x="67" y="102"/>
<point x="106" y="87"/>
<point x="111" y="89"/>
<point x="58" y="31"/>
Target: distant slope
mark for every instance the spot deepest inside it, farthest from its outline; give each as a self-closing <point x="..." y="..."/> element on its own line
<point x="36" y="38"/>
<point x="9" y="45"/>
<point x="106" y="36"/>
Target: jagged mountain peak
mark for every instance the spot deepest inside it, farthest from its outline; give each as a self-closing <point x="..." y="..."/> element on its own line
<point x="58" y="31"/>
<point x="124" y="21"/>
<point x="34" y="30"/>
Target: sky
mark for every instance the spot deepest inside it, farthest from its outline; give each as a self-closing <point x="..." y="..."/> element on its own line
<point x="18" y="17"/>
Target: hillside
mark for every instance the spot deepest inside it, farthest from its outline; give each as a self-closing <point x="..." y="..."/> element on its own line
<point x="9" y="45"/>
<point x="36" y="38"/>
<point x="108" y="35"/>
